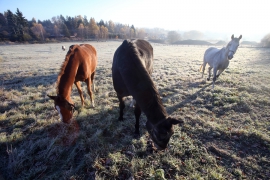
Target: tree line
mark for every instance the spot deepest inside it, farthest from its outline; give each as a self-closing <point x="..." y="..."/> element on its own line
<point x="15" y="27"/>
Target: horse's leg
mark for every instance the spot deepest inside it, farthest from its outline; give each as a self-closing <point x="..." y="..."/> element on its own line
<point x="214" y="76"/>
<point x="121" y="107"/>
<point x="137" y="112"/>
<point x="219" y="72"/>
<point x="209" y="71"/>
<point x="88" y="82"/>
<point x="78" y="85"/>
<point x="204" y="64"/>
<point x="92" y="79"/>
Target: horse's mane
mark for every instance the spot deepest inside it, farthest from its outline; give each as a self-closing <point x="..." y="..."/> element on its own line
<point x="63" y="67"/>
<point x="138" y="59"/>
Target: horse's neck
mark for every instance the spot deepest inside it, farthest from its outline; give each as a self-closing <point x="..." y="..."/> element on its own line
<point x="66" y="81"/>
<point x="224" y="53"/>
<point x="154" y="110"/>
<point x="64" y="87"/>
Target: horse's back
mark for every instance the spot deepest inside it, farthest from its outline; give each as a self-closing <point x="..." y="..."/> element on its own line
<point x="85" y="56"/>
<point x="210" y="54"/>
<point x="90" y="48"/>
<point x="132" y="64"/>
<point x="211" y="50"/>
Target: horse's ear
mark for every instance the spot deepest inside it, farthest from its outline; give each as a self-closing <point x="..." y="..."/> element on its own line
<point x="52" y="97"/>
<point x="174" y="121"/>
<point x="240" y="36"/>
<point x="232" y="37"/>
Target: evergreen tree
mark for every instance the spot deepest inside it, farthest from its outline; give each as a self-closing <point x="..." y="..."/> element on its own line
<point x="101" y="23"/>
<point x="12" y="25"/>
<point x="21" y="24"/>
<point x="3" y="21"/>
<point x="16" y="25"/>
<point x="65" y="31"/>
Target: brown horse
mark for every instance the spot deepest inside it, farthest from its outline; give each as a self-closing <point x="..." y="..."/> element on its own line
<point x="131" y="69"/>
<point x="79" y="65"/>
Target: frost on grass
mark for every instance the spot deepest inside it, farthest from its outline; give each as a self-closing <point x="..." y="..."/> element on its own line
<point x="225" y="134"/>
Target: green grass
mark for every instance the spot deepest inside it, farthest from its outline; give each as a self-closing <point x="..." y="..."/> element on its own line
<point x="226" y="134"/>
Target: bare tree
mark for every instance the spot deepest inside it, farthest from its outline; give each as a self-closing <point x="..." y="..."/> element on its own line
<point x="103" y="32"/>
<point x="195" y="35"/>
<point x="93" y="28"/>
<point x="81" y="28"/>
<point x="266" y="40"/>
<point x="38" y="30"/>
<point x="173" y="36"/>
<point x="141" y="33"/>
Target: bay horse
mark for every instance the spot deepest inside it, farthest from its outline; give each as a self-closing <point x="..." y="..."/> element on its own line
<point x="131" y="69"/>
<point x="79" y="65"/>
<point x="218" y="59"/>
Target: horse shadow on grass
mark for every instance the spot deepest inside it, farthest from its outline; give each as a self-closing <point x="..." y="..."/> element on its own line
<point x="18" y="83"/>
<point x="189" y="98"/>
<point x="231" y="148"/>
<point x="61" y="150"/>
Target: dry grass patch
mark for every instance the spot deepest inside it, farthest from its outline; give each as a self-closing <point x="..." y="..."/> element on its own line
<point x="225" y="134"/>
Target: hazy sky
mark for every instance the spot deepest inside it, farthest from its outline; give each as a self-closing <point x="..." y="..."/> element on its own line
<point x="247" y="17"/>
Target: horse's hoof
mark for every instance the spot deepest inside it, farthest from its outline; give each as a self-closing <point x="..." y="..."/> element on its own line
<point x="120" y="119"/>
<point x="136" y="135"/>
<point x="208" y="79"/>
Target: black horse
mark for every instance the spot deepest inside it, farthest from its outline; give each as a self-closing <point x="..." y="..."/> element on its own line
<point x="131" y="69"/>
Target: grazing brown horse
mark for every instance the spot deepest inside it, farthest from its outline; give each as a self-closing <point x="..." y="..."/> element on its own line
<point x="131" y="69"/>
<point x="79" y="65"/>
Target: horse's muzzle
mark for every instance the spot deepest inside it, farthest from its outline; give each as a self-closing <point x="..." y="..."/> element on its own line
<point x="230" y="57"/>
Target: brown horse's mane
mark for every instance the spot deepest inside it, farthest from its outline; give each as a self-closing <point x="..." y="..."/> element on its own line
<point x="63" y="67"/>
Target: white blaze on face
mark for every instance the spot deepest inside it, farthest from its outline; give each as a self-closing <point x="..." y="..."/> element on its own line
<point x="133" y="102"/>
<point x="59" y="111"/>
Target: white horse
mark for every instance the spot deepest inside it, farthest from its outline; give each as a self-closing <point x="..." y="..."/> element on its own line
<point x="218" y="59"/>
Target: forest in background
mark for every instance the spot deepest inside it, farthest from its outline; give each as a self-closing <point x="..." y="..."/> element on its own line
<point x="15" y="27"/>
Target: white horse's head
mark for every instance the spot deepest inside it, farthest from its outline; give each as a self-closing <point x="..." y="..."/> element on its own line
<point x="232" y="46"/>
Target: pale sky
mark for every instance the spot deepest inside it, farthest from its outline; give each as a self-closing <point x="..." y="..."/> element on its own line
<point x="247" y="17"/>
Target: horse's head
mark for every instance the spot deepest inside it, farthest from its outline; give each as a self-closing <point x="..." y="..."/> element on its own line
<point x="161" y="133"/>
<point x="64" y="108"/>
<point x="232" y="46"/>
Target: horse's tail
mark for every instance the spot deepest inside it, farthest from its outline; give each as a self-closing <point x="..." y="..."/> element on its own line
<point x="201" y="68"/>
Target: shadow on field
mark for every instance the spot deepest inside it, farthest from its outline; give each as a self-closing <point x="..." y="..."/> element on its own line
<point x="59" y="150"/>
<point x="31" y="81"/>
<point x="232" y="148"/>
<point x="188" y="99"/>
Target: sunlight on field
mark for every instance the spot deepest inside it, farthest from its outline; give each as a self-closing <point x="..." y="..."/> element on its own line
<point x="226" y="134"/>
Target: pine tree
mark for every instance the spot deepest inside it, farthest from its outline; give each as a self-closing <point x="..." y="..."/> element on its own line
<point x="21" y="24"/>
<point x="12" y="23"/>
<point x="65" y="31"/>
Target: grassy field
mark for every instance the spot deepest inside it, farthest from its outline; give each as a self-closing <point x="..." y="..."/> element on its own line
<point x="226" y="134"/>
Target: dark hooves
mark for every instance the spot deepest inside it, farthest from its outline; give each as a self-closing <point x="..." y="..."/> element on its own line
<point x="120" y="119"/>
<point x="208" y="79"/>
<point x="137" y="135"/>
